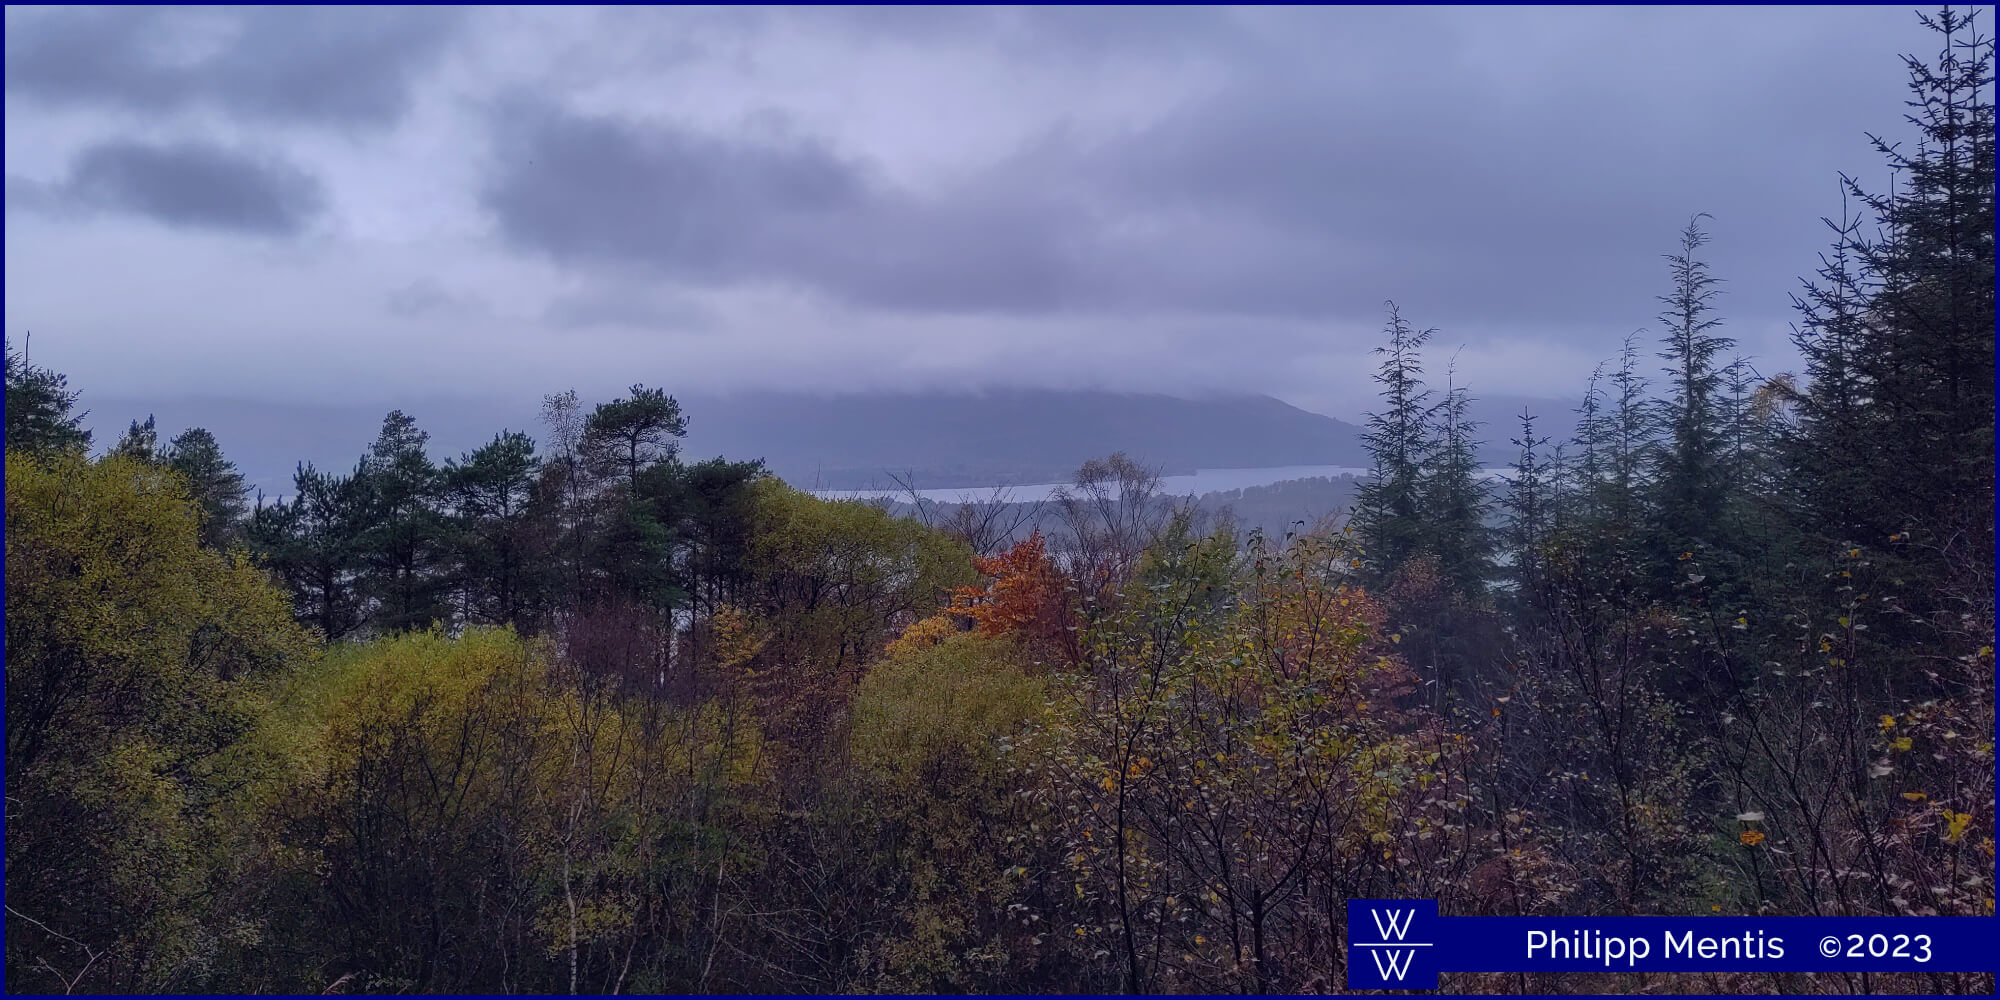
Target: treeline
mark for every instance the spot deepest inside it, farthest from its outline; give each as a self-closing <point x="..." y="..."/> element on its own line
<point x="573" y="714"/>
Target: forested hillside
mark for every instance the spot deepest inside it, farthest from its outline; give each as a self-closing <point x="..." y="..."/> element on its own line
<point x="573" y="712"/>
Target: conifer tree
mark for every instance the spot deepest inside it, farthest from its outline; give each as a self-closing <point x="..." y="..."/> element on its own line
<point x="39" y="402"/>
<point x="501" y="537"/>
<point x="1388" y="511"/>
<point x="403" y="549"/>
<point x="1824" y="449"/>
<point x="1530" y="505"/>
<point x="312" y="541"/>
<point x="1690" y="480"/>
<point x="631" y="446"/>
<point x="213" y="482"/>
<point x="625" y="436"/>
<point x="141" y="442"/>
<point x="1926" y="338"/>
<point x="1629" y="441"/>
<point x="1592" y="442"/>
<point x="1454" y="497"/>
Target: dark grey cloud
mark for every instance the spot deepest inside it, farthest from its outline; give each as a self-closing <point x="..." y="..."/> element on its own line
<point x="185" y="184"/>
<point x="699" y="206"/>
<point x="712" y="210"/>
<point x="341" y="65"/>
<point x="1353" y="156"/>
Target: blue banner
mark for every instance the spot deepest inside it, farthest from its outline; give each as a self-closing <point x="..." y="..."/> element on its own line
<point x="1404" y="944"/>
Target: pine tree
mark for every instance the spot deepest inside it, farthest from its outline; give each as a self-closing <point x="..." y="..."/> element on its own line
<point x="501" y="532"/>
<point x="720" y="507"/>
<point x="38" y="408"/>
<point x="141" y="442"/>
<point x="311" y="542"/>
<point x="630" y="446"/>
<point x="625" y="436"/>
<point x="213" y="483"/>
<point x="402" y="550"/>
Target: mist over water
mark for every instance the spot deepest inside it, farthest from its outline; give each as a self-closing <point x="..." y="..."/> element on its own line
<point x="1200" y="482"/>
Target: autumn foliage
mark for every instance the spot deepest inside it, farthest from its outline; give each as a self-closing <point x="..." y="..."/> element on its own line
<point x="1027" y="597"/>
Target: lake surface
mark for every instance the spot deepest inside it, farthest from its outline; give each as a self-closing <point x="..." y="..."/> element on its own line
<point x="1201" y="481"/>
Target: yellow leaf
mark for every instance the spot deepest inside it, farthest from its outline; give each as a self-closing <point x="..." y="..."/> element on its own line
<point x="1959" y="823"/>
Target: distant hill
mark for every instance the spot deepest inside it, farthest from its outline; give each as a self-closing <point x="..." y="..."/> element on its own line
<point x="1007" y="436"/>
<point x="946" y="440"/>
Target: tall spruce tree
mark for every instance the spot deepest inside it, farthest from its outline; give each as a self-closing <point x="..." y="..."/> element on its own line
<point x="1825" y="447"/>
<point x="1388" y="511"/>
<point x="1629" y="441"/>
<point x="1453" y="497"/>
<point x="1690" y="484"/>
<point x="1591" y="442"/>
<point x="1925" y="345"/>
<point x="1530" y="504"/>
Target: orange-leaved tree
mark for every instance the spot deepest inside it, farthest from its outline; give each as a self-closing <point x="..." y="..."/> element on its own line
<point x="1029" y="597"/>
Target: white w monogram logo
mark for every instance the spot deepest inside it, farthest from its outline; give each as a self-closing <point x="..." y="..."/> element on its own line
<point x="1397" y="925"/>
<point x="1392" y="951"/>
<point x="1393" y="963"/>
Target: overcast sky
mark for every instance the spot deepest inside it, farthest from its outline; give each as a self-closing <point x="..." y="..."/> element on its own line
<point x="365" y="206"/>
